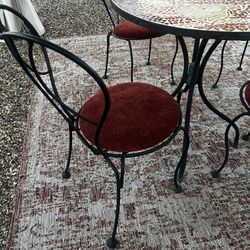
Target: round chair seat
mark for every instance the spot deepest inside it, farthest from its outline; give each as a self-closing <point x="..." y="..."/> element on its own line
<point x="247" y="94"/>
<point x="133" y="31"/>
<point x="140" y="116"/>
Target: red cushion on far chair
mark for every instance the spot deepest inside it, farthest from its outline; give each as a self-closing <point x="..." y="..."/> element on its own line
<point x="141" y="116"/>
<point x="133" y="31"/>
<point x="247" y="94"/>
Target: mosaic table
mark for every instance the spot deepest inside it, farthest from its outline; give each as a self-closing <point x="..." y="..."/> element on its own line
<point x="224" y="19"/>
<point x="208" y="22"/>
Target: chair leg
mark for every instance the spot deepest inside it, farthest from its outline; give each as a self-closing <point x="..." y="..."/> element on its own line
<point x="149" y="51"/>
<point x="246" y="137"/>
<point x="172" y="64"/>
<point x="242" y="57"/>
<point x="180" y="169"/>
<point x="132" y="60"/>
<point x="215" y="85"/>
<point x="105" y="76"/>
<point x="112" y="242"/>
<point x="66" y="172"/>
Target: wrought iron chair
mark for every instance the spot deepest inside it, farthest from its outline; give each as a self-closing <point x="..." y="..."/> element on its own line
<point x="128" y="31"/>
<point x="245" y="100"/>
<point x="24" y="22"/>
<point x="121" y="121"/>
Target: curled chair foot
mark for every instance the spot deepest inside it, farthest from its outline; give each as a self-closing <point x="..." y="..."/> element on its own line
<point x="105" y="77"/>
<point x="112" y="243"/>
<point x="148" y="63"/>
<point x="215" y="174"/>
<point x="214" y="86"/>
<point x="173" y="82"/>
<point x="239" y="68"/>
<point x="66" y="175"/>
<point x="178" y="189"/>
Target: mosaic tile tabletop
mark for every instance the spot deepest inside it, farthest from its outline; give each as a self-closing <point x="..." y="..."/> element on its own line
<point x="200" y="17"/>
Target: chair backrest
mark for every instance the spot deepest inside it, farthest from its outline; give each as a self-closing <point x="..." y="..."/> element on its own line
<point x="42" y="69"/>
<point x="114" y="18"/>
<point x="7" y="11"/>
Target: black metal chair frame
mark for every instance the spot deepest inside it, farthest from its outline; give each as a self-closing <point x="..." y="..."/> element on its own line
<point x="216" y="173"/>
<point x="114" y="22"/>
<point x="72" y="117"/>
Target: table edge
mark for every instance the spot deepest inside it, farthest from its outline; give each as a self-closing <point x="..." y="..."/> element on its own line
<point x="195" y="33"/>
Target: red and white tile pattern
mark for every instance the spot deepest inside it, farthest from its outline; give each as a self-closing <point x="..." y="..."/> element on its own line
<point x="205" y="15"/>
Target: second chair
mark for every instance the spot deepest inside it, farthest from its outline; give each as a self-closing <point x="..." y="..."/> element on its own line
<point x="128" y="31"/>
<point x="121" y="121"/>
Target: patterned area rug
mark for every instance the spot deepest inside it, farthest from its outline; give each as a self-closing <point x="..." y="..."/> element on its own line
<point x="52" y="213"/>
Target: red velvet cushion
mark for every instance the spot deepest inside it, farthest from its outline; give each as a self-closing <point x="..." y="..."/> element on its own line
<point x="133" y="31"/>
<point x="247" y="94"/>
<point x="140" y="116"/>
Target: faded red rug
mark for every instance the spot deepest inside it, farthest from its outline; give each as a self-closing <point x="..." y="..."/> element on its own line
<point x="52" y="213"/>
